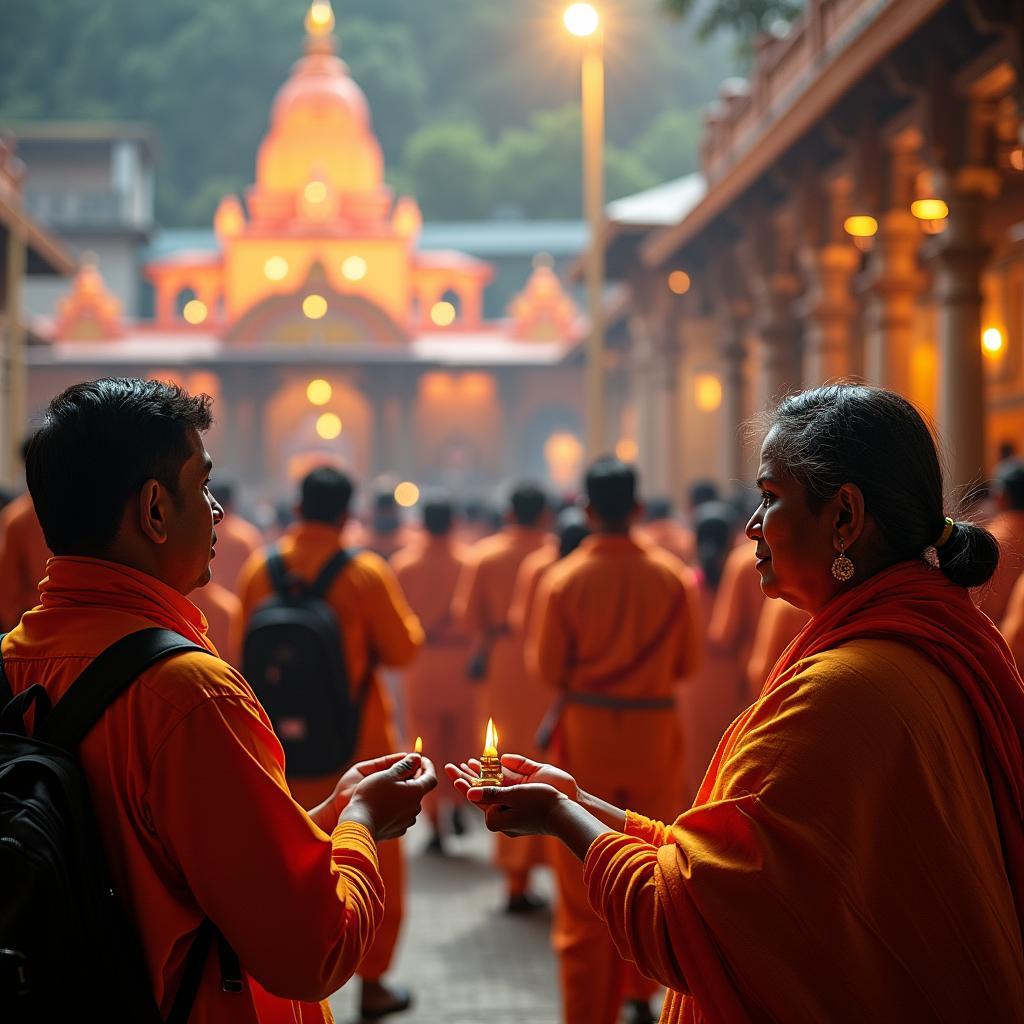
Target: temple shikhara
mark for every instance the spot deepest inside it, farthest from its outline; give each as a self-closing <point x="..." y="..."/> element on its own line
<point x="324" y="332"/>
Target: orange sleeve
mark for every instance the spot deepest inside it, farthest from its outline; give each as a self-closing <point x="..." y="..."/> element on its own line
<point x="233" y="655"/>
<point x="395" y="632"/>
<point x="299" y="907"/>
<point x="727" y="614"/>
<point x="1013" y="622"/>
<point x="253" y="584"/>
<point x="549" y="641"/>
<point x="468" y="601"/>
<point x="523" y="594"/>
<point x="8" y="575"/>
<point x="691" y="643"/>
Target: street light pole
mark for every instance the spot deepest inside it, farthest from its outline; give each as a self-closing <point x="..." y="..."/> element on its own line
<point x="583" y="20"/>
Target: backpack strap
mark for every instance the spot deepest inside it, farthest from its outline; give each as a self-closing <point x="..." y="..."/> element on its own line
<point x="280" y="578"/>
<point x="327" y="575"/>
<point x="6" y="693"/>
<point x="105" y="678"/>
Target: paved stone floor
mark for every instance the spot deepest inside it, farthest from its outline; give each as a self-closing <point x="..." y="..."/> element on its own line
<point x="466" y="962"/>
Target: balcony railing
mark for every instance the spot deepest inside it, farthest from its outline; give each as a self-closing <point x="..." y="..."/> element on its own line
<point x="76" y="208"/>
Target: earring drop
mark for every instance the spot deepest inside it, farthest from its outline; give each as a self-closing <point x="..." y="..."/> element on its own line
<point x="842" y="567"/>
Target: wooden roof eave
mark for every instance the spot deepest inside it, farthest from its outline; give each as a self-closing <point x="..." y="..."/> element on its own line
<point x="45" y="254"/>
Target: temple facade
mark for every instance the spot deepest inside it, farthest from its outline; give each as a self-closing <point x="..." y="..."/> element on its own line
<point x="859" y="212"/>
<point x="325" y="333"/>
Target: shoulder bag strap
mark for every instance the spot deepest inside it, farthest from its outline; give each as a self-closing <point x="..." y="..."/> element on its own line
<point x="327" y="575"/>
<point x="105" y="678"/>
<point x="278" y="571"/>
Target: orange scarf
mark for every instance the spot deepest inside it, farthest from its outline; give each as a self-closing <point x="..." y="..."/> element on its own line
<point x="74" y="582"/>
<point x="913" y="603"/>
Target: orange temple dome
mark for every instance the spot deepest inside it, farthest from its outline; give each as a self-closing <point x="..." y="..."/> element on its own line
<point x="320" y="117"/>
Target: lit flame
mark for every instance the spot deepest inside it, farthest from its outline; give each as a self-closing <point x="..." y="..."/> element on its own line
<point x="418" y="745"/>
<point x="491" y="740"/>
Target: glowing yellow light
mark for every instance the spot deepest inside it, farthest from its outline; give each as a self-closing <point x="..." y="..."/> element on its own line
<point x="407" y="494"/>
<point x="581" y="19"/>
<point x="276" y="268"/>
<point x="319" y="18"/>
<point x="442" y="314"/>
<point x="418" y="745"/>
<point x="314" y="306"/>
<point x="1017" y="159"/>
<point x="315" y="192"/>
<point x="679" y="282"/>
<point x="707" y="391"/>
<point x="195" y="312"/>
<point x="328" y="426"/>
<point x="491" y="740"/>
<point x="627" y="450"/>
<point x="929" y="209"/>
<point x="992" y="340"/>
<point x="860" y="226"/>
<point x="319" y="391"/>
<point x="354" y="268"/>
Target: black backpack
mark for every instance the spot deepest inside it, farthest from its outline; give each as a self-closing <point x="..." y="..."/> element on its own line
<point x="294" y="659"/>
<point x="68" y="951"/>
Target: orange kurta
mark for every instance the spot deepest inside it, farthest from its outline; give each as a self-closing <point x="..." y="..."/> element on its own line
<point x="676" y="539"/>
<point x="237" y="540"/>
<point x="738" y="604"/>
<point x="1013" y="623"/>
<point x="597" y="612"/>
<point x="187" y="781"/>
<point x="507" y="694"/>
<point x="856" y="850"/>
<point x="377" y="625"/>
<point x="779" y="623"/>
<point x="1007" y="528"/>
<point x="23" y="555"/>
<point x="223" y="613"/>
<point x="438" y="697"/>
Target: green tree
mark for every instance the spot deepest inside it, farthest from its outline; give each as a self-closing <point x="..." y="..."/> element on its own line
<point x="448" y="167"/>
<point x="744" y="18"/>
<point x="668" y="146"/>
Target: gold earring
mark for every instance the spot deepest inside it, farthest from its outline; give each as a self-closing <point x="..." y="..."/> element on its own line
<point x="842" y="567"/>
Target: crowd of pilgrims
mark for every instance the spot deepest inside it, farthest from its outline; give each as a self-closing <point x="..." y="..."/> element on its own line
<point x="462" y="612"/>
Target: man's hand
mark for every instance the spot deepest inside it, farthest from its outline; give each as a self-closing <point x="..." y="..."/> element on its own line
<point x="388" y="801"/>
<point x="515" y="770"/>
<point x="517" y="810"/>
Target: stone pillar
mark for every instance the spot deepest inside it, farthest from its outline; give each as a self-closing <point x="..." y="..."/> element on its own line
<point x="733" y="318"/>
<point x="894" y="282"/>
<point x="829" y="311"/>
<point x="775" y="321"/>
<point x="959" y="254"/>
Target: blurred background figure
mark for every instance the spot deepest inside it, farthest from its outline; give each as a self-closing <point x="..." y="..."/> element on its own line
<point x="223" y="612"/>
<point x="438" y="699"/>
<point x="387" y="534"/>
<point x="662" y="528"/>
<point x="237" y="538"/>
<point x="1007" y="526"/>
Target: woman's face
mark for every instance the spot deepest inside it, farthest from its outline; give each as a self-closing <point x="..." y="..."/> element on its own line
<point x="794" y="545"/>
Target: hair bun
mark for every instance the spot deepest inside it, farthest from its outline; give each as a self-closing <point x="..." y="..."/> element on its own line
<point x="969" y="556"/>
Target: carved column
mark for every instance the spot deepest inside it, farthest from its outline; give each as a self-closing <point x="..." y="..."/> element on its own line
<point x="829" y="312"/>
<point x="776" y="325"/>
<point x="733" y="317"/>
<point x="959" y="254"/>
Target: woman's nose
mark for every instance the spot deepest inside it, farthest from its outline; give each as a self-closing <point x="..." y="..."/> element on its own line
<point x="753" y="527"/>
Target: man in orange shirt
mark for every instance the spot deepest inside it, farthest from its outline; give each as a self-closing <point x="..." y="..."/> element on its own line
<point x="387" y="533"/>
<point x="660" y="527"/>
<point x="1007" y="526"/>
<point x="223" y="614"/>
<point x="237" y="538"/>
<point x="481" y="604"/>
<point x="184" y="771"/>
<point x="23" y="556"/>
<point x="437" y="695"/>
<point x="377" y="628"/>
<point x="617" y="625"/>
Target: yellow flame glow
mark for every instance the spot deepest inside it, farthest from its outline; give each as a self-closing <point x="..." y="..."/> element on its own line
<point x="491" y="740"/>
<point x="418" y="745"/>
<point x="860" y="226"/>
<point x="581" y="19"/>
<point x="319" y="18"/>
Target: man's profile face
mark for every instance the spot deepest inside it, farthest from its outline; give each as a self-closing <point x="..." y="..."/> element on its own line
<point x="191" y="533"/>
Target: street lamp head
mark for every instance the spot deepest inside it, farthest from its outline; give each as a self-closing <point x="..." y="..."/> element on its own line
<point x="581" y="19"/>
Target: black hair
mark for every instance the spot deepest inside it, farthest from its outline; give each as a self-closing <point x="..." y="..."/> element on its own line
<point x="1009" y="478"/>
<point x="438" y="512"/>
<point x="715" y="528"/>
<point x="702" y="491"/>
<point x="572" y="529"/>
<point x="99" y="442"/>
<point x="324" y="495"/>
<point x="877" y="440"/>
<point x="658" y="508"/>
<point x="528" y="503"/>
<point x="611" y="489"/>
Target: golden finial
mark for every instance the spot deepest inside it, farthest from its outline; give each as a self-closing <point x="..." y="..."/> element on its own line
<point x="320" y="18"/>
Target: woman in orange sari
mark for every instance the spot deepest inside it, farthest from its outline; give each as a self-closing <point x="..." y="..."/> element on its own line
<point x="856" y="850"/>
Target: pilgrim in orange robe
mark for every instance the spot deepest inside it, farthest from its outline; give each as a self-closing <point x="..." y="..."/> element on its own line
<point x="223" y="614"/>
<point x="237" y="539"/>
<point x="1007" y="526"/>
<point x="778" y="624"/>
<point x="738" y="604"/>
<point x="376" y="623"/>
<point x="856" y="850"/>
<point x="188" y="786"/>
<point x="676" y="539"/>
<point x="23" y="556"/>
<point x="481" y="604"/>
<point x="437" y="695"/>
<point x="617" y="625"/>
<point x="1012" y="626"/>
